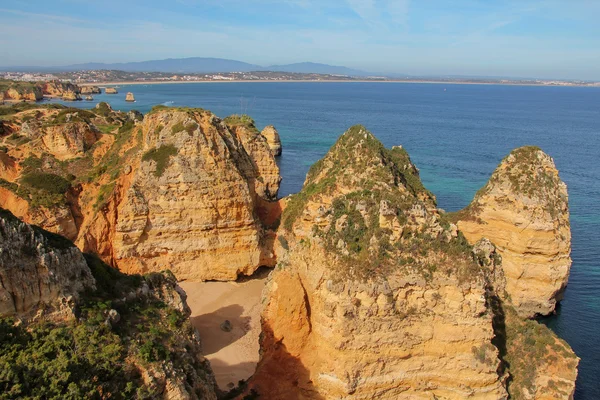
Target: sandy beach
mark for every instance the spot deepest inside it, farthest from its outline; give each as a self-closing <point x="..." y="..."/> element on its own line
<point x="233" y="355"/>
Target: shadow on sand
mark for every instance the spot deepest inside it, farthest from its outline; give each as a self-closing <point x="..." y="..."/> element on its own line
<point x="209" y="326"/>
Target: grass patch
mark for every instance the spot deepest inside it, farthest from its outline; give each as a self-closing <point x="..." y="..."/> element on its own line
<point x="161" y="156"/>
<point x="107" y="128"/>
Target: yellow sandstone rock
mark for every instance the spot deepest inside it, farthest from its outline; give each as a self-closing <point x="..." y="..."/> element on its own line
<point x="523" y="210"/>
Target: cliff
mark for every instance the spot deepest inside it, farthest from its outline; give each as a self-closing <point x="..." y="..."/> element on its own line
<point x="377" y="295"/>
<point x="19" y="91"/>
<point x="38" y="269"/>
<point x="66" y="90"/>
<point x="193" y="200"/>
<point x="90" y="90"/>
<point x="178" y="189"/>
<point x="132" y="334"/>
<point x="523" y="210"/>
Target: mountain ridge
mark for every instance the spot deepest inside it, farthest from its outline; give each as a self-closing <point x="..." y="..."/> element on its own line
<point x="196" y="65"/>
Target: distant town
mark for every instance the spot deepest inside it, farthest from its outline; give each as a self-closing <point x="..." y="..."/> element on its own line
<point x="115" y="76"/>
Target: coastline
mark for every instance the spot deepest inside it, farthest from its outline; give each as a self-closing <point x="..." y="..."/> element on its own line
<point x="127" y="83"/>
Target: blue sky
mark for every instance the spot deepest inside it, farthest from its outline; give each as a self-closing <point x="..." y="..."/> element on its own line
<point x="523" y="38"/>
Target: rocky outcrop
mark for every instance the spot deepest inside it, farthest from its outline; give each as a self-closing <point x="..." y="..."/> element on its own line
<point x="71" y="96"/>
<point x="129" y="97"/>
<point x="272" y="136"/>
<point x="70" y="140"/>
<point x="38" y="270"/>
<point x="193" y="202"/>
<point x="60" y="89"/>
<point x="32" y="93"/>
<point x="90" y="90"/>
<point x="377" y="295"/>
<point x="143" y="338"/>
<point x="523" y="210"/>
<point x="110" y="90"/>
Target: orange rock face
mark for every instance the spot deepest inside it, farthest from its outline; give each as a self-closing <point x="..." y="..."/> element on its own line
<point x="192" y="203"/>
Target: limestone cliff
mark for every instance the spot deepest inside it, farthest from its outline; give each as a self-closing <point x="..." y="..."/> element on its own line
<point x="272" y="136"/>
<point x="20" y="91"/>
<point x="192" y="203"/>
<point x="181" y="189"/>
<point x="132" y="334"/>
<point x="60" y="89"/>
<point x="523" y="210"/>
<point x="38" y="269"/>
<point x="377" y="295"/>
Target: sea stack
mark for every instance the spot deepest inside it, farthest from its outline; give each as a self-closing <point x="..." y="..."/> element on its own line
<point x="129" y="97"/>
<point x="110" y="90"/>
<point x="272" y="136"/>
<point x="523" y="210"/>
<point x="376" y="295"/>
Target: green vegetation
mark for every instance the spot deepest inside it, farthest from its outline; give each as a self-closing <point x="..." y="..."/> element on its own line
<point x="531" y="347"/>
<point x="107" y="128"/>
<point x="178" y="127"/>
<point x="189" y="110"/>
<point x="102" y="109"/>
<point x="161" y="156"/>
<point x="24" y="106"/>
<point x="73" y="115"/>
<point x="103" y="195"/>
<point x="43" y="189"/>
<point x="191" y="127"/>
<point x="368" y="176"/>
<point x="9" y="185"/>
<point x="240" y="120"/>
<point x="90" y="358"/>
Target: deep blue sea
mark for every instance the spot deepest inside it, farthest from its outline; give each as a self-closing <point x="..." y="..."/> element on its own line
<point x="456" y="135"/>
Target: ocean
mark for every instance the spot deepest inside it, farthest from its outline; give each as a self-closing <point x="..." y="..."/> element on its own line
<point x="455" y="134"/>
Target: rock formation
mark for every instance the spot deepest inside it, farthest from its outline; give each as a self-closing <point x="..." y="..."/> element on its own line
<point x="142" y="343"/>
<point x="21" y="93"/>
<point x="60" y="89"/>
<point x="129" y="97"/>
<point x="192" y="202"/>
<point x="71" y="96"/>
<point x="377" y="295"/>
<point x="38" y="269"/>
<point x="272" y="136"/>
<point x="523" y="210"/>
<point x="110" y="90"/>
<point x="90" y="90"/>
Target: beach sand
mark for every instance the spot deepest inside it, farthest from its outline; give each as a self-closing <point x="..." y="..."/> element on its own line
<point x="233" y="355"/>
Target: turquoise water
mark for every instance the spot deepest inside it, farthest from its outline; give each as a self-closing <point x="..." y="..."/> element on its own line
<point x="456" y="137"/>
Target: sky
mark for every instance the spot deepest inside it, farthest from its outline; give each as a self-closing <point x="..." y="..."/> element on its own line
<point x="540" y="39"/>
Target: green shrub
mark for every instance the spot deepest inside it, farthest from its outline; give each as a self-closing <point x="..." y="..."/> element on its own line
<point x="9" y="185"/>
<point x="50" y="183"/>
<point x="103" y="195"/>
<point x="161" y="156"/>
<point x="178" y="127"/>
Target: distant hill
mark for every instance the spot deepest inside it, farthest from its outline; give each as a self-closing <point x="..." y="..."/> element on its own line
<point x="196" y="65"/>
<point x="316" y="68"/>
<point x="175" y="65"/>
